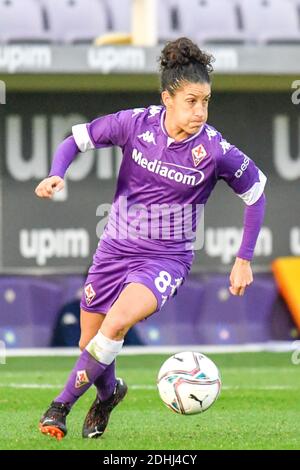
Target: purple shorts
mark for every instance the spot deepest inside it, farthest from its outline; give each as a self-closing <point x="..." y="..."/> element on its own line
<point x="110" y="273"/>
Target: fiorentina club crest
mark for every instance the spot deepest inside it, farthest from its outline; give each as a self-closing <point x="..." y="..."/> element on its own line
<point x="81" y="378"/>
<point x="90" y="294"/>
<point x="198" y="153"/>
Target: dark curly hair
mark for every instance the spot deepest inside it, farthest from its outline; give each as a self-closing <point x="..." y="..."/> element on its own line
<point x="183" y="61"/>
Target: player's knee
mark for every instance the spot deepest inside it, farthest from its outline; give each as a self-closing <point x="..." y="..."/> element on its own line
<point x="120" y="332"/>
<point x="118" y="327"/>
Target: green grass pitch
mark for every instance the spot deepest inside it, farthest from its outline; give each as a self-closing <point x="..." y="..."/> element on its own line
<point x="259" y="406"/>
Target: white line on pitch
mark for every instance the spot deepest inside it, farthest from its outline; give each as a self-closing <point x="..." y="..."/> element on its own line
<point x="148" y="387"/>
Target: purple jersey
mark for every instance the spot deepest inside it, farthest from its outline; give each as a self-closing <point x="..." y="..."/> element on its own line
<point x="159" y="174"/>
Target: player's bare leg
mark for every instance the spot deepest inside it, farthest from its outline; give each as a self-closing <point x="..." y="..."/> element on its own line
<point x="90" y="323"/>
<point x="134" y="303"/>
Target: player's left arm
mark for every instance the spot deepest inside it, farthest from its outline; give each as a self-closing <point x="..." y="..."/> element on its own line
<point x="248" y="182"/>
<point x="241" y="273"/>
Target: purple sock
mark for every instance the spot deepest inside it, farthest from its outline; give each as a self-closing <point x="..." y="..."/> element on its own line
<point x="85" y="372"/>
<point x="106" y="382"/>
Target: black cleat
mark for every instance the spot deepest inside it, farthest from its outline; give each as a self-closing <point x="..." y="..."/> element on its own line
<point x="97" y="418"/>
<point x="53" y="422"/>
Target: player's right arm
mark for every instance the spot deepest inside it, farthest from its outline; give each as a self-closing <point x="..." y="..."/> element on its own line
<point x="105" y="131"/>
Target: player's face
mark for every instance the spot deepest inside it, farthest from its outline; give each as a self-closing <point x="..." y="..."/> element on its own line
<point x="188" y="108"/>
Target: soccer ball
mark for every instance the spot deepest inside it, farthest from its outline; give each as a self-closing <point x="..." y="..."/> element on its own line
<point x="188" y="383"/>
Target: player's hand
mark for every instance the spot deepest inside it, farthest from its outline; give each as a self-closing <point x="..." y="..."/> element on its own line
<point x="48" y="186"/>
<point x="240" y="276"/>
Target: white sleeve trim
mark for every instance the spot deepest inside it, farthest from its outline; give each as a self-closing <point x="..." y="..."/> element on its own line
<point x="254" y="193"/>
<point x="82" y="138"/>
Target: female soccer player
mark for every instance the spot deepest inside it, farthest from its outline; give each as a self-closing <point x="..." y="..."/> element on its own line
<point x="171" y="158"/>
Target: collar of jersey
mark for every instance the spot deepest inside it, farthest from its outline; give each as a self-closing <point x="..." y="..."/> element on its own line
<point x="177" y="142"/>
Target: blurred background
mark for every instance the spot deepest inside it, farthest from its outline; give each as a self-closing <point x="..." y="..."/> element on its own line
<point x="64" y="62"/>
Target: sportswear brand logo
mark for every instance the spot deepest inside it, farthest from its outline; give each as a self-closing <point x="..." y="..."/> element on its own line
<point x="81" y="378"/>
<point x="137" y="111"/>
<point x="198" y="153"/>
<point x="153" y="110"/>
<point x="210" y="133"/>
<point x="90" y="294"/>
<point x="193" y="397"/>
<point x="147" y="137"/>
<point x="225" y="145"/>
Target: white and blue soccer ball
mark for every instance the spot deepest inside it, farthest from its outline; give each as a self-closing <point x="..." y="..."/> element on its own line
<point x="189" y="382"/>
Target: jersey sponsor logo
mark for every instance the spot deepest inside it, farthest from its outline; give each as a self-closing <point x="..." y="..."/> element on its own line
<point x="163" y="169"/>
<point x="242" y="168"/>
<point x="89" y="293"/>
<point x="198" y="153"/>
<point x="147" y="137"/>
<point x="81" y="378"/>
